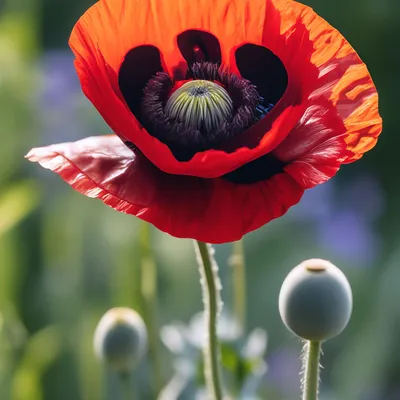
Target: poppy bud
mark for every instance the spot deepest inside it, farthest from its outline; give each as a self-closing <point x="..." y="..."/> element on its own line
<point x="120" y="339"/>
<point x="315" y="301"/>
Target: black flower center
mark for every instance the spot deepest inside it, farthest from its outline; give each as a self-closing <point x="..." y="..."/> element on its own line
<point x="206" y="107"/>
<point x="203" y="113"/>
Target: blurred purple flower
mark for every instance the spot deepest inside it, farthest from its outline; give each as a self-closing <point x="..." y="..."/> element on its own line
<point x="283" y="371"/>
<point x="316" y="203"/>
<point x="344" y="217"/>
<point x="60" y="79"/>
<point x="60" y="98"/>
<point x="349" y="235"/>
<point x="365" y="195"/>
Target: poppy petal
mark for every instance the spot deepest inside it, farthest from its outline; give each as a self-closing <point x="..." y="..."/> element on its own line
<point x="315" y="148"/>
<point x="320" y="64"/>
<point x="211" y="210"/>
<point x="103" y="36"/>
<point x="346" y="82"/>
<point x="341" y="120"/>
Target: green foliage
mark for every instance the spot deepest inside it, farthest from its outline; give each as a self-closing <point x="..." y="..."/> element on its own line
<point x="41" y="350"/>
<point x="242" y="358"/>
<point x="16" y="203"/>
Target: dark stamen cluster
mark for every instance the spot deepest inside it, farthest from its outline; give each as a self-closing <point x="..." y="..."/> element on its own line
<point x="184" y="141"/>
<point x="244" y="95"/>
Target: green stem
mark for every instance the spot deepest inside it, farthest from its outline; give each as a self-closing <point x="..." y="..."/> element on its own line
<point x="312" y="353"/>
<point x="211" y="287"/>
<point x="126" y="386"/>
<point x="149" y="294"/>
<point x="239" y="283"/>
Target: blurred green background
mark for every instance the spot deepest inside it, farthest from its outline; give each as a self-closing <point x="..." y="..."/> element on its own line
<point x="66" y="259"/>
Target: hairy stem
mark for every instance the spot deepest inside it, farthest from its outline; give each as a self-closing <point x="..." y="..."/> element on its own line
<point x="311" y="357"/>
<point x="211" y="287"/>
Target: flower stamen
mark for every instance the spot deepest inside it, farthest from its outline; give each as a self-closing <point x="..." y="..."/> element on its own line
<point x="206" y="111"/>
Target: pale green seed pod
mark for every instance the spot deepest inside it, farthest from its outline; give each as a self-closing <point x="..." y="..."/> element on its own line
<point x="315" y="301"/>
<point x="120" y="340"/>
<point x="200" y="104"/>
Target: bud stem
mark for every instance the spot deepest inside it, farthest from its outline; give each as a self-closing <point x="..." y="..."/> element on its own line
<point x="126" y="386"/>
<point x="211" y="287"/>
<point x="237" y="263"/>
<point x="312" y="353"/>
<point x="149" y="295"/>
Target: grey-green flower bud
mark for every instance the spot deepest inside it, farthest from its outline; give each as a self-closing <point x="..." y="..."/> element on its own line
<point x="120" y="339"/>
<point x="316" y="301"/>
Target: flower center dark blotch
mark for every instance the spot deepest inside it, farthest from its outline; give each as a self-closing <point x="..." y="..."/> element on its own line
<point x="193" y="124"/>
<point x="211" y="108"/>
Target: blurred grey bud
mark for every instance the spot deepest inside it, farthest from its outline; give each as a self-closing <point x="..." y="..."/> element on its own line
<point x="315" y="301"/>
<point x="120" y="340"/>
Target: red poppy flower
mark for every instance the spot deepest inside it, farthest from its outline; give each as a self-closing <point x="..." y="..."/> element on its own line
<point x="224" y="112"/>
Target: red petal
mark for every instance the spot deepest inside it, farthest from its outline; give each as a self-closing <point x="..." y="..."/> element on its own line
<point x="211" y="210"/>
<point x="320" y="63"/>
<point x="103" y="36"/>
<point x="316" y="147"/>
<point x="343" y="79"/>
<point x="341" y="119"/>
